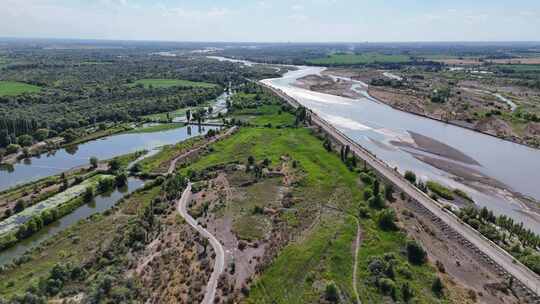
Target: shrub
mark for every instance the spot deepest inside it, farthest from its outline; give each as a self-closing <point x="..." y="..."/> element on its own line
<point x="387" y="287"/>
<point x="365" y="178"/>
<point x="387" y="219"/>
<point x="368" y="193"/>
<point x="407" y="292"/>
<point x="19" y="206"/>
<point x="376" y="202"/>
<point x="88" y="194"/>
<point x="25" y="140"/>
<point x="388" y="192"/>
<point x="93" y="162"/>
<point x="121" y="180"/>
<point x="105" y="184"/>
<point x="410" y="176"/>
<point x="331" y="292"/>
<point x="12" y="148"/>
<point x="415" y="253"/>
<point x="438" y="287"/>
<point x="363" y="212"/>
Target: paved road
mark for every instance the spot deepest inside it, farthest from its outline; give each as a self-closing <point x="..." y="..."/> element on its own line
<point x="219" y="264"/>
<point x="497" y="254"/>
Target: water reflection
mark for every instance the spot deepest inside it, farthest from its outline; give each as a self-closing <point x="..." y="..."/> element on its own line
<point x="99" y="204"/>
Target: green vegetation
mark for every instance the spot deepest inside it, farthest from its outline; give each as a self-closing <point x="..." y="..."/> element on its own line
<point x="157" y="128"/>
<point x="325" y="254"/>
<point x="159" y="163"/>
<point x="168" y="83"/>
<point x="522" y="243"/>
<point x="74" y="245"/>
<point x="360" y="59"/>
<point x="13" y="88"/>
<point x="30" y="220"/>
<point x="440" y="190"/>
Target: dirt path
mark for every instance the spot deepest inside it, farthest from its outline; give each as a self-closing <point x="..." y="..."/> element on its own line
<point x="219" y="264"/>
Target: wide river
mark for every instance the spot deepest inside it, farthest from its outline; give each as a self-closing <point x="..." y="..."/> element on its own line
<point x="376" y="126"/>
<point x="513" y="170"/>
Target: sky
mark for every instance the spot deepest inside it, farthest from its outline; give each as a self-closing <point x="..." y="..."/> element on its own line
<point x="273" y="20"/>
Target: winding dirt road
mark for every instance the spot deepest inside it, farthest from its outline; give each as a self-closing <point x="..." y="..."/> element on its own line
<point x="219" y="264"/>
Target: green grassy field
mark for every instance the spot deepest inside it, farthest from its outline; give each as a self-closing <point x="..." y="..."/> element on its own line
<point x="366" y="58"/>
<point x="13" y="88"/>
<point x="520" y="68"/>
<point x="325" y="254"/>
<point x="167" y="83"/>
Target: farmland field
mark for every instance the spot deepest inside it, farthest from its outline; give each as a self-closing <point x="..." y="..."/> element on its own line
<point x="13" y="88"/>
<point x="168" y="83"/>
<point x="365" y="58"/>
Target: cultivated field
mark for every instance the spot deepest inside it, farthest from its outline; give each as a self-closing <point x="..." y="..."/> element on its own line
<point x="13" y="88"/>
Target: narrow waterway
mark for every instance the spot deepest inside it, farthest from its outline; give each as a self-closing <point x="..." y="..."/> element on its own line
<point x="105" y="148"/>
<point x="99" y="204"/>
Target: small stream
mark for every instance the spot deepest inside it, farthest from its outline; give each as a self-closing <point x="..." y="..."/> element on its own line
<point x="100" y="203"/>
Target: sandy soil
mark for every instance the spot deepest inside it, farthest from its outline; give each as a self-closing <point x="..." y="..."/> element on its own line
<point x="433" y="146"/>
<point x="325" y="84"/>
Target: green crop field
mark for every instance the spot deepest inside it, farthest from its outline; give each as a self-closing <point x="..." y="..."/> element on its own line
<point x="521" y="68"/>
<point x="366" y="58"/>
<point x="168" y="83"/>
<point x="13" y="88"/>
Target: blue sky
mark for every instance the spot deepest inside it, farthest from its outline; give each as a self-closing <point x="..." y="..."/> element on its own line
<point x="273" y="20"/>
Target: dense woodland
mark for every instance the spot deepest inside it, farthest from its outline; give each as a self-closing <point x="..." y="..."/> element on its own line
<point x="84" y="87"/>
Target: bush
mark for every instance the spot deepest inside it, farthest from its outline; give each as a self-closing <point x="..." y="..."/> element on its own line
<point x="406" y="292"/>
<point x="438" y="287"/>
<point x="388" y="192"/>
<point x="387" y="287"/>
<point x="88" y="195"/>
<point x="387" y="219"/>
<point x="121" y="180"/>
<point x="114" y="165"/>
<point x="363" y="212"/>
<point x="25" y="140"/>
<point x="93" y="162"/>
<point x="415" y="253"/>
<point x="331" y="292"/>
<point x="368" y="193"/>
<point x="376" y="202"/>
<point x="41" y="134"/>
<point x="105" y="185"/>
<point x="410" y="176"/>
<point x="12" y="148"/>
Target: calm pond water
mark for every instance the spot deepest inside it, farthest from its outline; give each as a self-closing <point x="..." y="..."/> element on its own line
<point x="374" y="125"/>
<point x="105" y="148"/>
<point x="100" y="204"/>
